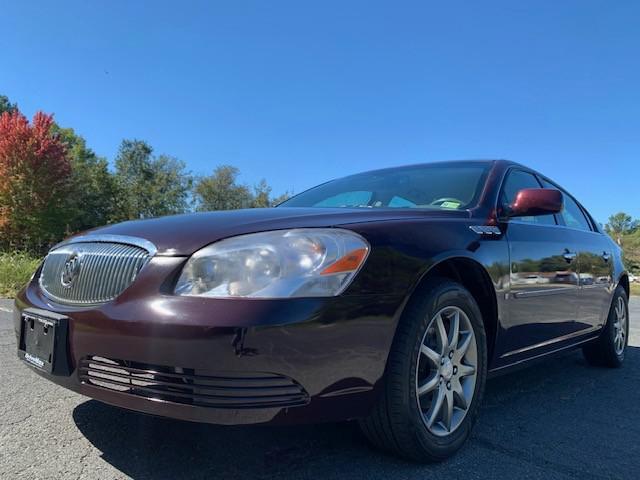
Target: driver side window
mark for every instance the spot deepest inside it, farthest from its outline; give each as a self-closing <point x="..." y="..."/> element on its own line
<point x="516" y="181"/>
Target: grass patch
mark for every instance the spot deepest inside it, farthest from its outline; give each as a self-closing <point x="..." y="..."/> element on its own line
<point x="15" y="270"/>
<point x="635" y="288"/>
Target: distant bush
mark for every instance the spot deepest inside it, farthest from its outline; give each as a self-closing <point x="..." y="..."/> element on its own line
<point x="15" y="270"/>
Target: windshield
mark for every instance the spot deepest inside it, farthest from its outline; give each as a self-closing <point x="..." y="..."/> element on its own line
<point x="436" y="186"/>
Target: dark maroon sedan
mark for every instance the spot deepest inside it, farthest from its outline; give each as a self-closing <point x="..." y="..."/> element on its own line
<point x="386" y="297"/>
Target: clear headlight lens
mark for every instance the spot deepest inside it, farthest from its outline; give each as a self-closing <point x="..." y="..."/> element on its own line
<point x="308" y="262"/>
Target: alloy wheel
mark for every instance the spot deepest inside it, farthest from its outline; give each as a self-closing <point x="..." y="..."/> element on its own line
<point x="446" y="371"/>
<point x="620" y="326"/>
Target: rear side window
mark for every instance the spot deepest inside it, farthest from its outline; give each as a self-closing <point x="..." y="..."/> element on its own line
<point x="518" y="180"/>
<point x="571" y="214"/>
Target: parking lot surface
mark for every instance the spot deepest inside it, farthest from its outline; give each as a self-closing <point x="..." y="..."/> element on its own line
<point x="557" y="419"/>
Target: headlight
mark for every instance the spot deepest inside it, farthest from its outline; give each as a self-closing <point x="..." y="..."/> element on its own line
<point x="309" y="262"/>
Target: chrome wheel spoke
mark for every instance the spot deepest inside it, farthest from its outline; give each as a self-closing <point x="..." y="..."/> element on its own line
<point x="620" y="309"/>
<point x="443" y="339"/>
<point x="430" y="354"/>
<point x="447" y="411"/>
<point x="464" y="347"/>
<point x="435" y="411"/>
<point x="454" y="330"/>
<point x="466" y="370"/>
<point x="429" y="385"/>
<point x="458" y="392"/>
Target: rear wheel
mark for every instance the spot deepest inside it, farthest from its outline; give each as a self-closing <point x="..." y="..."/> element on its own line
<point x="609" y="349"/>
<point x="435" y="376"/>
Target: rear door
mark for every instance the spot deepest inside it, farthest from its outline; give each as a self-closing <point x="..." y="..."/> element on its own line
<point x="595" y="262"/>
<point x="544" y="276"/>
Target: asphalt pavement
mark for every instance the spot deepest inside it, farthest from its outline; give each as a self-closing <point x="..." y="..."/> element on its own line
<point x="558" y="419"/>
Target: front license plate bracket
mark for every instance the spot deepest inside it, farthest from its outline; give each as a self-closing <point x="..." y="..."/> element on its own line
<point x="43" y="341"/>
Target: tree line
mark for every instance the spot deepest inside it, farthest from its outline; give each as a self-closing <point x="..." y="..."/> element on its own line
<point x="52" y="184"/>
<point x="625" y="230"/>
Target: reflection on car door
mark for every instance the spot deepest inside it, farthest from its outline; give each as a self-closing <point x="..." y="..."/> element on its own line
<point x="596" y="280"/>
<point x="544" y="286"/>
<point x="595" y="263"/>
<point x="544" y="275"/>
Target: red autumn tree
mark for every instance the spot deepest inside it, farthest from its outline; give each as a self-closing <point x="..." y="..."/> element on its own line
<point x="34" y="178"/>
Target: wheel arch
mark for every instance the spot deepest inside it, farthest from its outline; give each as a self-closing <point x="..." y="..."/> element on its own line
<point x="472" y="275"/>
<point x="624" y="283"/>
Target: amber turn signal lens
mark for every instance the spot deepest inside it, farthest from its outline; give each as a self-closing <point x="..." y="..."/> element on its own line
<point x="350" y="262"/>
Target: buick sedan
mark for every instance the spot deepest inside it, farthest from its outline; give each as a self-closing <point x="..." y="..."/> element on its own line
<point x="386" y="297"/>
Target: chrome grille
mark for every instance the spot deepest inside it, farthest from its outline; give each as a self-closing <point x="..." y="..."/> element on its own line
<point x="89" y="273"/>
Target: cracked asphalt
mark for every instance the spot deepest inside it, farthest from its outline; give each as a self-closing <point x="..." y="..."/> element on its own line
<point x="556" y="420"/>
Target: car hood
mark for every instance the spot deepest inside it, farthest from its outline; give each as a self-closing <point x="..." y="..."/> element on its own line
<point x="181" y="235"/>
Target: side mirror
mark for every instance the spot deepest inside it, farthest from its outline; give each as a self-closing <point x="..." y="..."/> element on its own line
<point x="531" y="202"/>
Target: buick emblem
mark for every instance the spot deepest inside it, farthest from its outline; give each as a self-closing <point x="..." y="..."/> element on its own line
<point x="71" y="270"/>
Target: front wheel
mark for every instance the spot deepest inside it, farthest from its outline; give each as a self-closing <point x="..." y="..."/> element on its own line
<point x="609" y="349"/>
<point x="435" y="376"/>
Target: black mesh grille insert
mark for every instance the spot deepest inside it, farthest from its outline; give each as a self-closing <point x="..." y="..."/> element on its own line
<point x="186" y="386"/>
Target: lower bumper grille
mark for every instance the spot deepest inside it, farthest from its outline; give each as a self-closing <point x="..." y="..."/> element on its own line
<point x="186" y="386"/>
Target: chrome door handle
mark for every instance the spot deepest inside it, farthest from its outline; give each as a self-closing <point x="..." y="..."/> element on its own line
<point x="569" y="256"/>
<point x="606" y="256"/>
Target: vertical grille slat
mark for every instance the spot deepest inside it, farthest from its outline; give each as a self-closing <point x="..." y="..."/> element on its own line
<point x="99" y="275"/>
<point x="105" y="270"/>
<point x="88" y="288"/>
<point x="91" y="286"/>
<point x="111" y="263"/>
<point x="129" y="271"/>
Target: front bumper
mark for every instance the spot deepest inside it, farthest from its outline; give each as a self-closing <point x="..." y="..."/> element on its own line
<point x="178" y="355"/>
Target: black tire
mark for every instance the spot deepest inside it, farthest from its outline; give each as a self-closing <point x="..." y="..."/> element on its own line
<point x="396" y="423"/>
<point x="602" y="352"/>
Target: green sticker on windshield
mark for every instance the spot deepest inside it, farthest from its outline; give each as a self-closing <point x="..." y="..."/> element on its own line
<point x="449" y="204"/>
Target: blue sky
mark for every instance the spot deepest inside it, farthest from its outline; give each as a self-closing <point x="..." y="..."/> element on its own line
<point x="302" y="92"/>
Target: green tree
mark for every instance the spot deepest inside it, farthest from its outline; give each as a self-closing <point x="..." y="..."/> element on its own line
<point x="93" y="185"/>
<point x="631" y="249"/>
<point x="261" y="195"/>
<point x="619" y="225"/>
<point x="6" y="105"/>
<point x="279" y="199"/>
<point x="149" y="186"/>
<point x="221" y="191"/>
